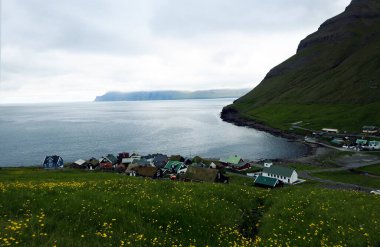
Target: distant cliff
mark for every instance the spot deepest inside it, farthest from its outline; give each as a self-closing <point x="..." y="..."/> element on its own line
<point x="172" y="95"/>
<point x="332" y="80"/>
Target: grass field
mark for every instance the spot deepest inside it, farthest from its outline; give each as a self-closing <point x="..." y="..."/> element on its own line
<point x="315" y="116"/>
<point x="350" y="177"/>
<point x="302" y="167"/>
<point x="75" y="208"/>
<point x="372" y="169"/>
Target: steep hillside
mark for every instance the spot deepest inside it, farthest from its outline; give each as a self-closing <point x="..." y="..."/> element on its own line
<point x="332" y="81"/>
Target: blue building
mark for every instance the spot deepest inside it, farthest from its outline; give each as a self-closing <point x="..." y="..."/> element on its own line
<point x="53" y="162"/>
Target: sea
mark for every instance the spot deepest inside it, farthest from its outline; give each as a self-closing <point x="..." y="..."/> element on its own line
<point x="29" y="132"/>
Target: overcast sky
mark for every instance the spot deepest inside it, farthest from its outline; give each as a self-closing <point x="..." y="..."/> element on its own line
<point x="73" y="50"/>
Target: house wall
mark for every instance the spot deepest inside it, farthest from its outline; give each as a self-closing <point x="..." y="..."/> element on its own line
<point x="294" y="177"/>
<point x="287" y="180"/>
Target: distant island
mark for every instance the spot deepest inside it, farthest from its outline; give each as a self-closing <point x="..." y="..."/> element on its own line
<point x="172" y="95"/>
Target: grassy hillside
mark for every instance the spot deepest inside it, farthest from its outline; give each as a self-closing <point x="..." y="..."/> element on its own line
<point x="74" y="208"/>
<point x="334" y="74"/>
<point x="345" y="117"/>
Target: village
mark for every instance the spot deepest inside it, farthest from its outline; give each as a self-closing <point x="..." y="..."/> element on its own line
<point x="178" y="168"/>
<point x="368" y="140"/>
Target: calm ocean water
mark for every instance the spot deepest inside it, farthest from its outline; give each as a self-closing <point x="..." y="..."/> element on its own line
<point x="81" y="130"/>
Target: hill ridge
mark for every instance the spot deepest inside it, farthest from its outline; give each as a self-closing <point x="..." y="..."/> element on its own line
<point x="338" y="65"/>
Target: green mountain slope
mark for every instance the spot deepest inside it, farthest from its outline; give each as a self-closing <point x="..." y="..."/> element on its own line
<point x="332" y="81"/>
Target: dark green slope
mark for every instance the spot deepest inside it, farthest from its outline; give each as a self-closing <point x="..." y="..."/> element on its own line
<point x="332" y="81"/>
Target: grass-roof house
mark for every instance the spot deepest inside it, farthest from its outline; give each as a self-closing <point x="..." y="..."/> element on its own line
<point x="205" y="174"/>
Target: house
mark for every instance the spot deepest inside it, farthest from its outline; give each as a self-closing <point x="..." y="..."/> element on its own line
<point x="127" y="161"/>
<point x="142" y="162"/>
<point x="110" y="158"/>
<point x="331" y="131"/>
<point x="177" y="158"/>
<point x="53" y="162"/>
<point x="175" y="167"/>
<point x="284" y="174"/>
<point x="370" y="129"/>
<point x="79" y="164"/>
<point x="120" y="168"/>
<point x="200" y="164"/>
<point x="232" y="160"/>
<point x="361" y="142"/>
<point x="150" y="172"/>
<point x="338" y="141"/>
<point x="121" y="156"/>
<point x="268" y="164"/>
<point x="160" y="160"/>
<point x="92" y="163"/>
<point x="135" y="156"/>
<point x="188" y="161"/>
<point x="267" y="182"/>
<point x="374" y="145"/>
<point x="108" y="163"/>
<point x="130" y="170"/>
<point x="205" y="174"/>
<point x="241" y="166"/>
<point x="212" y="165"/>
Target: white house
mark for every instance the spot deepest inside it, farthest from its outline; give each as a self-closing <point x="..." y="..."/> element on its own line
<point x="328" y="130"/>
<point x="374" y="145"/>
<point x="80" y="162"/>
<point x="370" y="129"/>
<point x="213" y="165"/>
<point x="284" y="174"/>
<point x="268" y="164"/>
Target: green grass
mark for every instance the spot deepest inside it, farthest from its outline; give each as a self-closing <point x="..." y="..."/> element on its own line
<point x="74" y="208"/>
<point x="327" y="85"/>
<point x="241" y="180"/>
<point x="371" y="169"/>
<point x="345" y="117"/>
<point x="331" y="159"/>
<point x="350" y="177"/>
<point x="302" y="167"/>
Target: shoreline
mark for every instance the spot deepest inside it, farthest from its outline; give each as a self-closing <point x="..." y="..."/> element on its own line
<point x="232" y="116"/>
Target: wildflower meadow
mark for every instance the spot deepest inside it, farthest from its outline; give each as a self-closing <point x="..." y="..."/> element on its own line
<point x="76" y="208"/>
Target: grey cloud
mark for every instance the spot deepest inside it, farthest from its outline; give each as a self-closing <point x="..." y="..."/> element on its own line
<point x="130" y="26"/>
<point x="73" y="25"/>
<point x="194" y="17"/>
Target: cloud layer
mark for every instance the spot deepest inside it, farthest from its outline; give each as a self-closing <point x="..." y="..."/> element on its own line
<point x="74" y="50"/>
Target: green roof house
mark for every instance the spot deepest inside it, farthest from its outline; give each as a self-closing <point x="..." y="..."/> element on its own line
<point x="232" y="160"/>
<point x="361" y="142"/>
<point x="175" y="166"/>
<point x="338" y="141"/>
<point x="112" y="158"/>
<point x="284" y="174"/>
<point x="266" y="182"/>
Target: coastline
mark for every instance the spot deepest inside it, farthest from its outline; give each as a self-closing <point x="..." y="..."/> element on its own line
<point x="232" y="116"/>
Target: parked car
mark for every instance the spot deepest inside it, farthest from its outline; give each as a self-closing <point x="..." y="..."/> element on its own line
<point x="375" y="192"/>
